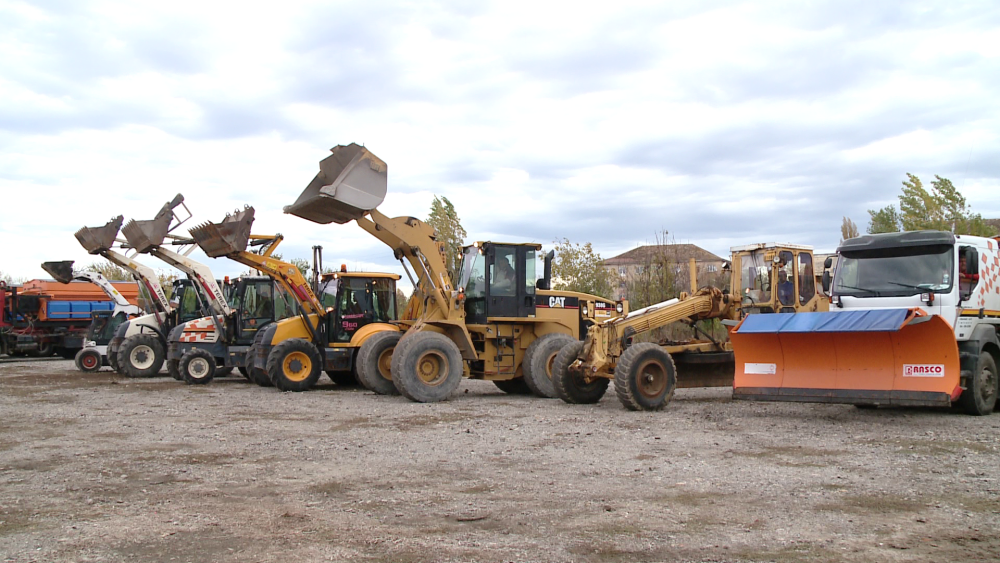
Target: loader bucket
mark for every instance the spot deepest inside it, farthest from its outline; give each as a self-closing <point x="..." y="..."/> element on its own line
<point x="100" y="239"/>
<point x="225" y="238"/>
<point x="872" y="357"/>
<point x="61" y="271"/>
<point x="143" y="236"/>
<point x="351" y="182"/>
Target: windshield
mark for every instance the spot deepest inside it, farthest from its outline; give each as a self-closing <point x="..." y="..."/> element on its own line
<point x="473" y="273"/>
<point x="895" y="272"/>
<point x="755" y="277"/>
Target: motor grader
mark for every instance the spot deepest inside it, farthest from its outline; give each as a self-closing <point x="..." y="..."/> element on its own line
<point x="496" y="322"/>
<point x="291" y="352"/>
<point x="765" y="278"/>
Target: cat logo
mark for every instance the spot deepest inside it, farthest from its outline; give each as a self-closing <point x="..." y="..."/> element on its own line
<point x="557" y="301"/>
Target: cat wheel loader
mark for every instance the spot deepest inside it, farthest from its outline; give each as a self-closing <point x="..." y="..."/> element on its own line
<point x="101" y="241"/>
<point x="291" y="353"/>
<point x="494" y="323"/>
<point x="139" y="355"/>
<point x="93" y="355"/>
<point x="914" y="321"/>
<point x="764" y="278"/>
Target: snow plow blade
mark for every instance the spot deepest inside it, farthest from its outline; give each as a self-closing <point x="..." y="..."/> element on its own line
<point x="901" y="357"/>
<point x="351" y="182"/>
<point x="61" y="271"/>
<point x="96" y="240"/>
<point x="228" y="237"/>
<point x="143" y="236"/>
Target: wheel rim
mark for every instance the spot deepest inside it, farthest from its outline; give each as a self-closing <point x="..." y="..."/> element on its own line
<point x="296" y="366"/>
<point x="987" y="384"/>
<point x="432" y="368"/>
<point x="385" y="364"/>
<point x="142" y="357"/>
<point x="548" y="365"/>
<point x="88" y="361"/>
<point x="652" y="379"/>
<point x="198" y="368"/>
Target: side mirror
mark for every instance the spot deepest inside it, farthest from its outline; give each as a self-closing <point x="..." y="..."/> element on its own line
<point x="971" y="261"/>
<point x="826" y="281"/>
<point x="828" y="262"/>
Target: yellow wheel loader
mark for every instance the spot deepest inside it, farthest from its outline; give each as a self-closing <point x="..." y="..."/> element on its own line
<point x="765" y="278"/>
<point x="496" y="322"/>
<point x="292" y="353"/>
<point x="914" y="321"/>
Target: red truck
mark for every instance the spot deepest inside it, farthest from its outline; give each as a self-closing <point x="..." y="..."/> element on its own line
<point x="43" y="317"/>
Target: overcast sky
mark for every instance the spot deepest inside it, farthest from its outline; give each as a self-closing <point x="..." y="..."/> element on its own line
<point x="724" y="123"/>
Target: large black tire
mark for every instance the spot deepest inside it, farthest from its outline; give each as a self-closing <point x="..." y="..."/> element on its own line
<point x="374" y="362"/>
<point x="222" y="371"/>
<point x="256" y="375"/>
<point x="44" y="350"/>
<point x="517" y="386"/>
<point x="113" y="360"/>
<point x="244" y="372"/>
<point x="569" y="386"/>
<point x="141" y="356"/>
<point x="428" y="368"/>
<point x="173" y="368"/>
<point x="88" y="360"/>
<point x="294" y="365"/>
<point x="537" y="363"/>
<point x="645" y="377"/>
<point x="197" y="366"/>
<point x="981" y="395"/>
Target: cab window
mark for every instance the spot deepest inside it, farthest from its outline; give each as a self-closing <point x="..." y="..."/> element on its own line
<point x="502" y="275"/>
<point x="383" y="299"/>
<point x="807" y="278"/>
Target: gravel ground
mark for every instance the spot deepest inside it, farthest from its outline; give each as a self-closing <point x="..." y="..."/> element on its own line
<point x="94" y="467"/>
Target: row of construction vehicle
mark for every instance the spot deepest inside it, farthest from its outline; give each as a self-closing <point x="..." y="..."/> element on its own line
<point x="901" y="330"/>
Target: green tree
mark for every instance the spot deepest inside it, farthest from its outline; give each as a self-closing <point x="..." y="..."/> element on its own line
<point x="943" y="208"/>
<point x="401" y="302"/>
<point x="110" y="270"/>
<point x="579" y="268"/>
<point x="449" y="230"/>
<point x="302" y="264"/>
<point x="848" y="229"/>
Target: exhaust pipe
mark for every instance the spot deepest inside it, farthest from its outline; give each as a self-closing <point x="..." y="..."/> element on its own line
<point x="143" y="236"/>
<point x="228" y="237"/>
<point x="351" y="182"/>
<point x="100" y="239"/>
<point x="61" y="271"/>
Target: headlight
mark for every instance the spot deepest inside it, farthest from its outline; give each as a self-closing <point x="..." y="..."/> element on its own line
<point x="583" y="309"/>
<point x="620" y="308"/>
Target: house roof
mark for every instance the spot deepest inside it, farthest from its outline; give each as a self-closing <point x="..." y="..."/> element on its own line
<point x="677" y="252"/>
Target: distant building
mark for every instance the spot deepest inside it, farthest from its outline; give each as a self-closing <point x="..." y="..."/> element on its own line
<point x="627" y="267"/>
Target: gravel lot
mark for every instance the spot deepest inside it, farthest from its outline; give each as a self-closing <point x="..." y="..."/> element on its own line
<point x="94" y="467"/>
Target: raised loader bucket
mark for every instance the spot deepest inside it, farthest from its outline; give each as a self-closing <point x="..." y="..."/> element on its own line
<point x="100" y="239"/>
<point x="351" y="182"/>
<point x="874" y="357"/>
<point x="61" y="271"/>
<point x="225" y="238"/>
<point x="143" y="236"/>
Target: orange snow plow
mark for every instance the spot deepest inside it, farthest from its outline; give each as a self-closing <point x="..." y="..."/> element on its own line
<point x="901" y="357"/>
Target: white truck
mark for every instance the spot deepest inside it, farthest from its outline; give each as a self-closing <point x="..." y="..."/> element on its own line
<point x="914" y="320"/>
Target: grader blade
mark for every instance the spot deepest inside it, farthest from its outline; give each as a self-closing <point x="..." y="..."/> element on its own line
<point x="875" y="357"/>
<point x="61" y="271"/>
<point x="96" y="240"/>
<point x="228" y="237"/>
<point x="351" y="182"/>
<point x="143" y="236"/>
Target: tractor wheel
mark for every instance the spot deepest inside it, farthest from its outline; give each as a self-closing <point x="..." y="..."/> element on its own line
<point x="570" y="386"/>
<point x="244" y="372"/>
<point x="44" y="350"/>
<point x="255" y="375"/>
<point x="197" y="366"/>
<point x="516" y="386"/>
<point x="88" y="360"/>
<point x="173" y="368"/>
<point x="222" y="371"/>
<point x="374" y="363"/>
<point x="294" y="365"/>
<point x="342" y="378"/>
<point x="141" y="356"/>
<point x="428" y="368"/>
<point x="537" y="363"/>
<point x="980" y="396"/>
<point x="113" y="360"/>
<point x="645" y="378"/>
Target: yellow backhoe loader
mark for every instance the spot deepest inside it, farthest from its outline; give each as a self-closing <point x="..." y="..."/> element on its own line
<point x="290" y="353"/>
<point x="494" y="323"/>
<point x="765" y="278"/>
